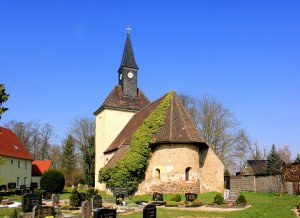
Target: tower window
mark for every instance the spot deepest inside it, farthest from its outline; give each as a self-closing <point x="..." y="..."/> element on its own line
<point x="187" y="174"/>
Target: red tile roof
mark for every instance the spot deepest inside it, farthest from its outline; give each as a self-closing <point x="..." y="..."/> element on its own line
<point x="116" y="100"/>
<point x="11" y="146"/>
<point x="40" y="166"/>
<point x="177" y="128"/>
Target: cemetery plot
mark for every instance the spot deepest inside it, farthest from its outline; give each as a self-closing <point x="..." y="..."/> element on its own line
<point x="232" y="197"/>
<point x="190" y="197"/>
<point x="43" y="211"/>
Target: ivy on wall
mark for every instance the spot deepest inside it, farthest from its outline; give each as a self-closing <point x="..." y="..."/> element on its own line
<point x="132" y="166"/>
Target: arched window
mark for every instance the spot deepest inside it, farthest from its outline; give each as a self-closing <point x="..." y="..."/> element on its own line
<point x="157" y="174"/>
<point x="187" y="174"/>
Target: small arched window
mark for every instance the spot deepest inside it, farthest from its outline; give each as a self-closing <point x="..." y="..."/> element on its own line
<point x="157" y="174"/>
<point x="187" y="174"/>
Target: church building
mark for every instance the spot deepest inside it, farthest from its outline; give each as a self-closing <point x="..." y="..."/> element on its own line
<point x="180" y="161"/>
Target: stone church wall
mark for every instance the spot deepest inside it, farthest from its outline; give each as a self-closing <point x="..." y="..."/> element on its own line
<point x="166" y="172"/>
<point x="211" y="172"/>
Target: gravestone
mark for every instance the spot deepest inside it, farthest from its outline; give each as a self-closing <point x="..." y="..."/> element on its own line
<point x="47" y="195"/>
<point x="40" y="211"/>
<point x="105" y="213"/>
<point x="119" y="199"/>
<point x="149" y="211"/>
<point x="82" y="196"/>
<point x="23" y="189"/>
<point x="226" y="193"/>
<point x="29" y="201"/>
<point x="120" y="190"/>
<point x="55" y="199"/>
<point x="232" y="197"/>
<point x="3" y="188"/>
<point x="96" y="202"/>
<point x="33" y="185"/>
<point x="190" y="196"/>
<point x="86" y="209"/>
<point x="157" y="196"/>
<point x="11" y="185"/>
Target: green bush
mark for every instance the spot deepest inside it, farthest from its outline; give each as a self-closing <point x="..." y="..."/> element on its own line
<point x="218" y="199"/>
<point x="176" y="198"/>
<point x="241" y="200"/>
<point x="53" y="180"/>
<point x="197" y="202"/>
<point x="74" y="198"/>
<point x="90" y="192"/>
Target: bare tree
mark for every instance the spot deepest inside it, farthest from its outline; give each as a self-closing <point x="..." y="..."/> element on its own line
<point x="285" y="154"/>
<point x="54" y="154"/>
<point x="83" y="132"/>
<point x="256" y="152"/>
<point x="218" y="127"/>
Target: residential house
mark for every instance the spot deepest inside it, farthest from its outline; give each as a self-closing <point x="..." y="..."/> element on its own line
<point x="38" y="169"/>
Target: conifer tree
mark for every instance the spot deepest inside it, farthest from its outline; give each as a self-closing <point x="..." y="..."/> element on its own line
<point x="274" y="162"/>
<point x="3" y="98"/>
<point x="297" y="159"/>
<point x="69" y="160"/>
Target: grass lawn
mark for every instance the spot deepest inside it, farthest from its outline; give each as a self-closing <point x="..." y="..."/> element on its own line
<point x="263" y="205"/>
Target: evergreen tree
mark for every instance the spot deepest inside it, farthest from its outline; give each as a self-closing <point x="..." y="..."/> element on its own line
<point x="3" y="98"/>
<point x="89" y="163"/>
<point x="297" y="159"/>
<point x="69" y="159"/>
<point x="274" y="162"/>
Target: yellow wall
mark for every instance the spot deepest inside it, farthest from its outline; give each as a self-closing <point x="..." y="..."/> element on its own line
<point x="10" y="171"/>
<point x="109" y="124"/>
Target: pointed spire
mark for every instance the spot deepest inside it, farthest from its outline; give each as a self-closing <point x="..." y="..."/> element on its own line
<point x="128" y="56"/>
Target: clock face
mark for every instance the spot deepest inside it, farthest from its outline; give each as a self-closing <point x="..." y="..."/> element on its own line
<point x="120" y="76"/>
<point x="130" y="75"/>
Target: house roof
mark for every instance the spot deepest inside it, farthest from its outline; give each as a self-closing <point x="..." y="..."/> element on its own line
<point x="177" y="128"/>
<point x="40" y="166"/>
<point x="128" y="59"/>
<point x="11" y="146"/>
<point x="259" y="167"/>
<point x="116" y="100"/>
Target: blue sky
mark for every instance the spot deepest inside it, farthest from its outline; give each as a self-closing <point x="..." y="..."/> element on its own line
<point x="59" y="59"/>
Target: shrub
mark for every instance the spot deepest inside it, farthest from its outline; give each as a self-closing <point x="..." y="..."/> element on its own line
<point x="90" y="192"/>
<point x="131" y="204"/>
<point x="218" y="199"/>
<point x="53" y="180"/>
<point x="74" y="198"/>
<point x="176" y="198"/>
<point x="197" y="202"/>
<point x="241" y="200"/>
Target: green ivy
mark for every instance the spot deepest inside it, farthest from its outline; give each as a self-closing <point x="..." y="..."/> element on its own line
<point x="132" y="166"/>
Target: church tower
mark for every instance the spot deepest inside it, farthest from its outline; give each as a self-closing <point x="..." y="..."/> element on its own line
<point x="125" y="100"/>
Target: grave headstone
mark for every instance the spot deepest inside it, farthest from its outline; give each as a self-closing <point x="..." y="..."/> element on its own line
<point x="226" y="193"/>
<point x="157" y="196"/>
<point x="11" y="185"/>
<point x="82" y="196"/>
<point x="149" y="211"/>
<point x="120" y="190"/>
<point x="40" y="211"/>
<point x="86" y="209"/>
<point x="55" y="199"/>
<point x="105" y="213"/>
<point x="119" y="199"/>
<point x="96" y="202"/>
<point x="33" y="185"/>
<point x="3" y="188"/>
<point x="47" y="195"/>
<point x="190" y="196"/>
<point x="29" y="201"/>
<point x="23" y="189"/>
<point x="232" y="197"/>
